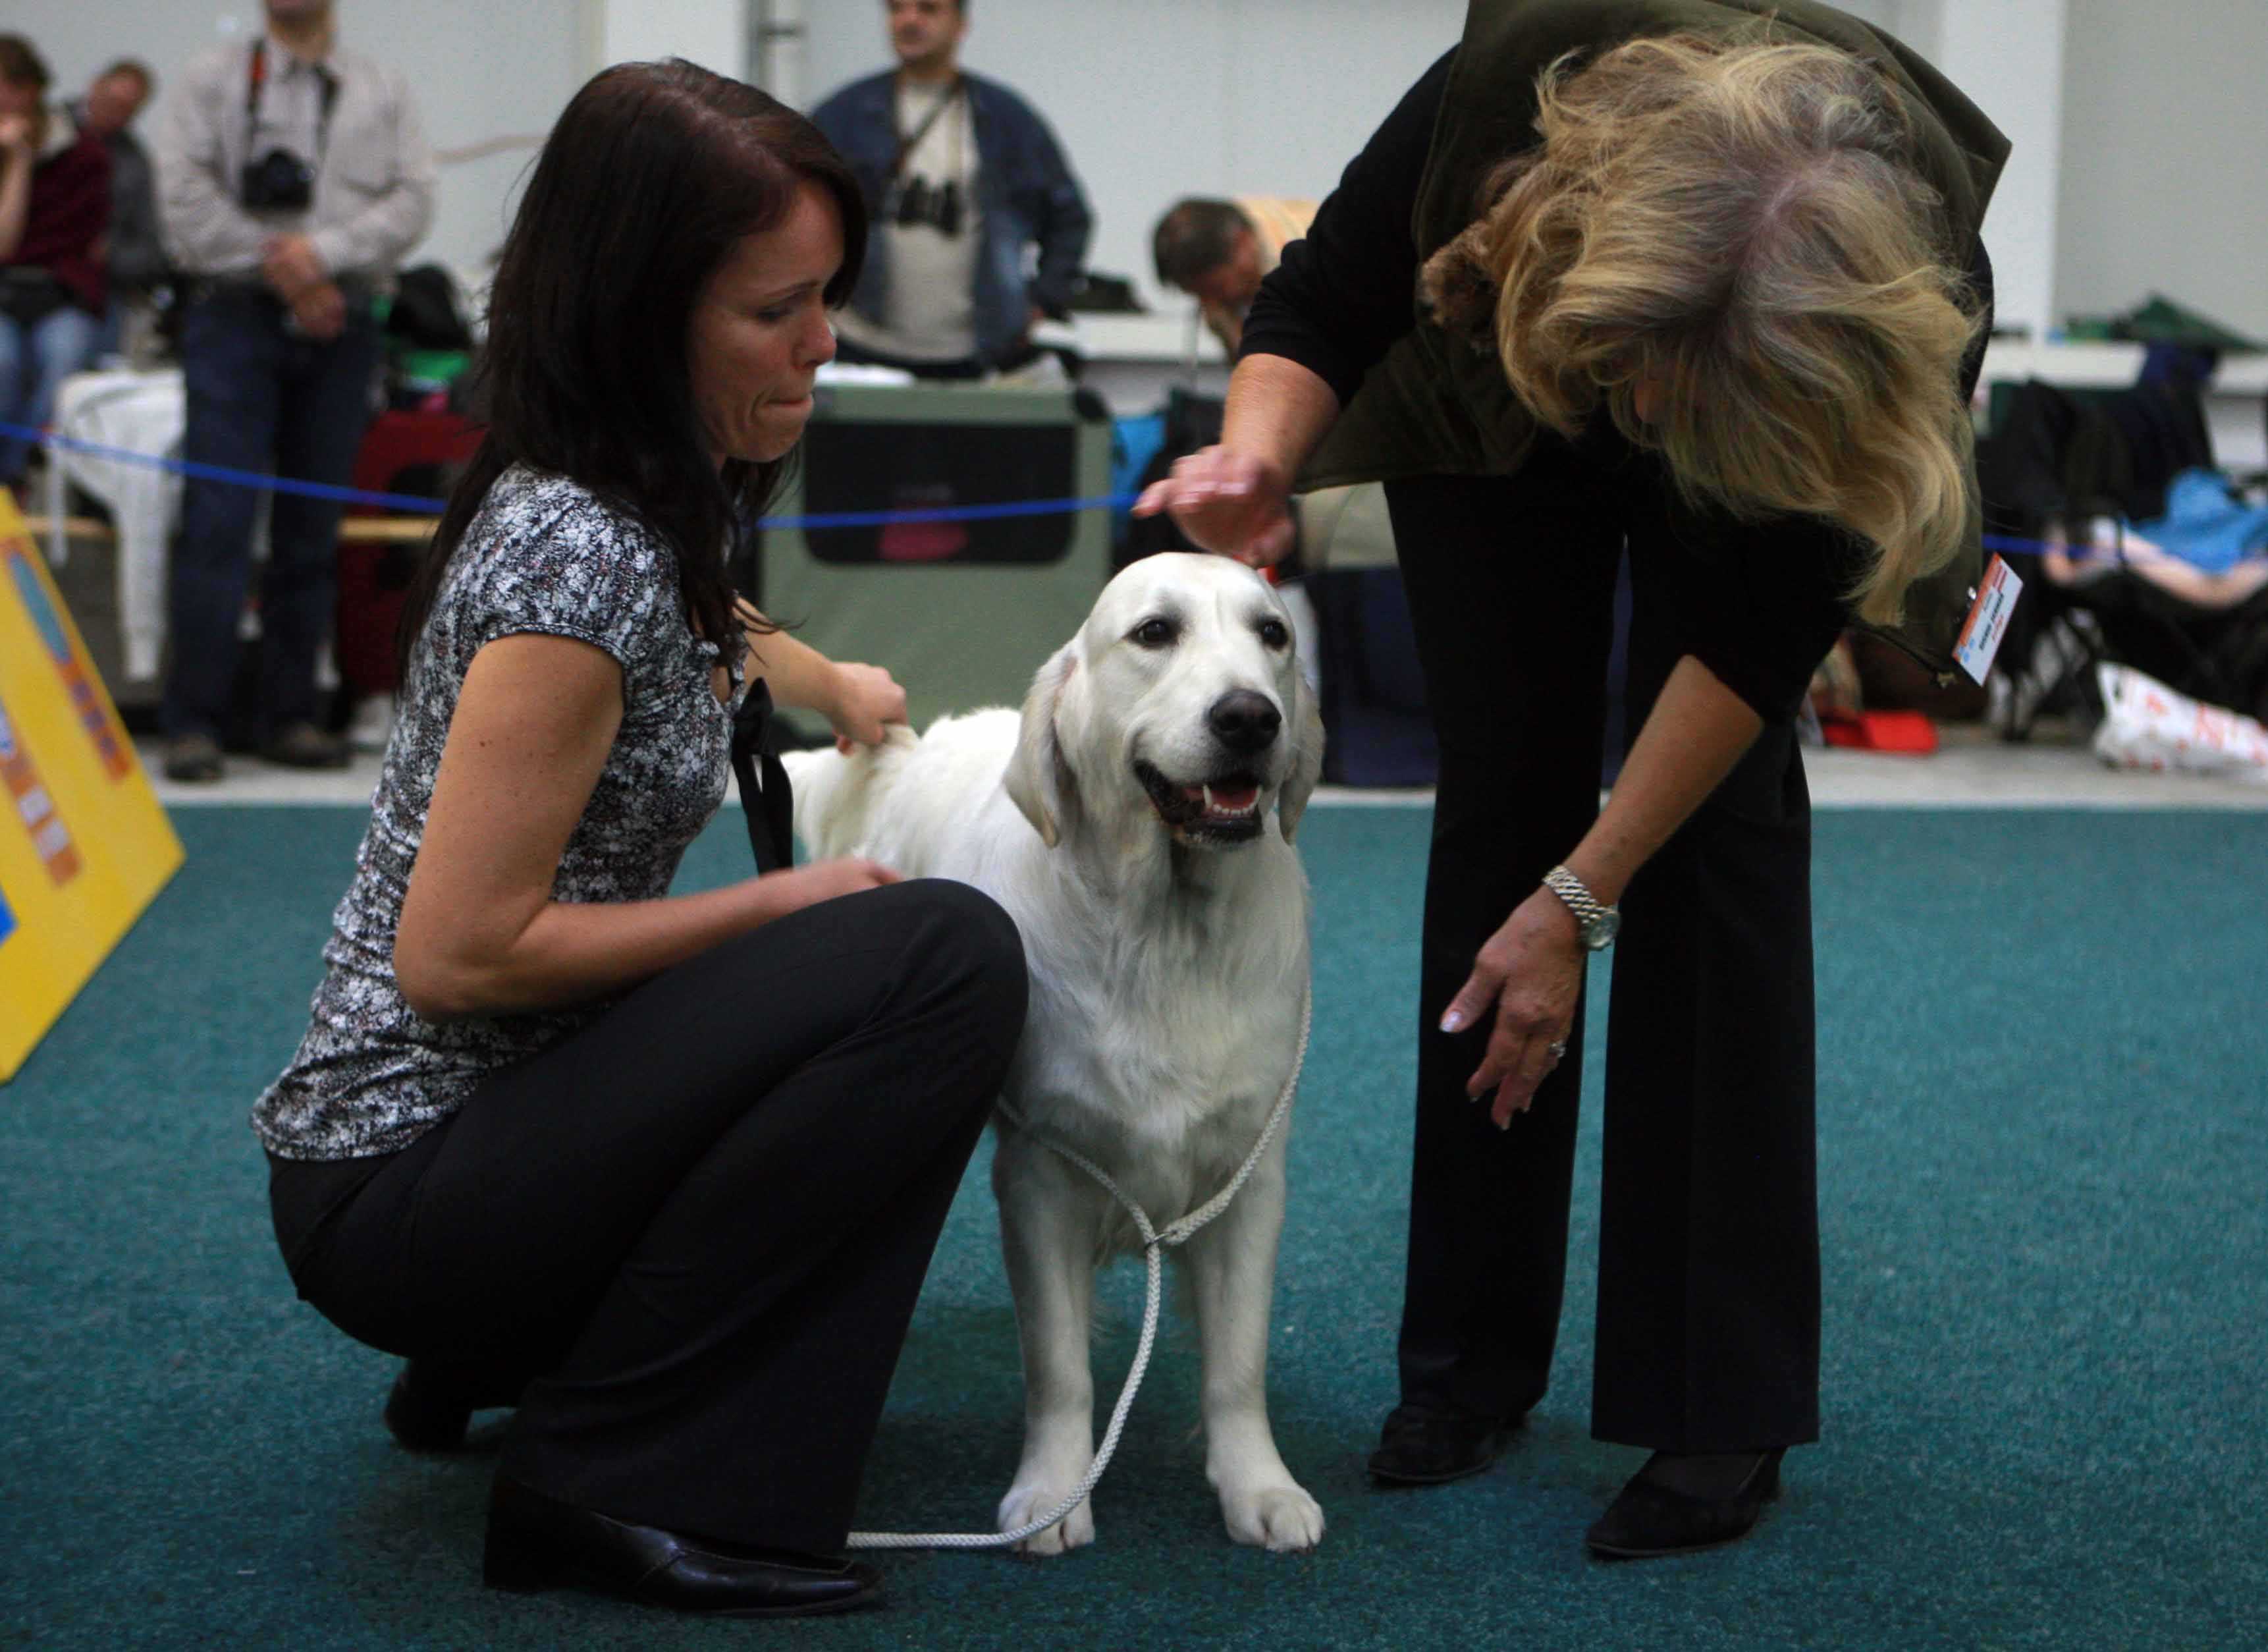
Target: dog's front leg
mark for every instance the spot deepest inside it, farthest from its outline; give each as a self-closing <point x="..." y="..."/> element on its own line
<point x="1048" y="1234"/>
<point x="1232" y="1265"/>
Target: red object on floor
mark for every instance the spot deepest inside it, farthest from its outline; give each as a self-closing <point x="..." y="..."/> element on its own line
<point x="373" y="578"/>
<point x="1908" y="732"/>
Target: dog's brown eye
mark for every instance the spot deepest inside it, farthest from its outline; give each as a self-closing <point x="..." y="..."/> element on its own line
<point x="1273" y="634"/>
<point x="1154" y="633"/>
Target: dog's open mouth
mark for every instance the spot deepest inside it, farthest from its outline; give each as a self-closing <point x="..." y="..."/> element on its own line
<point x="1224" y="809"/>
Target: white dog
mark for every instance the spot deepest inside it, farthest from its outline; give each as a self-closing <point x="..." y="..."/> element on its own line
<point x="1121" y="820"/>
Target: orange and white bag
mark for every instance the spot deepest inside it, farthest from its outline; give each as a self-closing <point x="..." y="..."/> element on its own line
<point x="2146" y="724"/>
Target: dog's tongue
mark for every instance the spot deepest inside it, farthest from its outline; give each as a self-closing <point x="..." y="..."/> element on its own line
<point x="1235" y="800"/>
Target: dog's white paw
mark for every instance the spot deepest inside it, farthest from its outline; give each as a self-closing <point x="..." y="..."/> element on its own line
<point x="1282" y="1517"/>
<point x="1026" y="1502"/>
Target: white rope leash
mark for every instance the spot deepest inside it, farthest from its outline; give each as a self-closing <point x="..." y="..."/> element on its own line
<point x="1154" y="1244"/>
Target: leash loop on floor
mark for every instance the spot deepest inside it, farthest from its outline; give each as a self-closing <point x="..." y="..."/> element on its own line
<point x="1154" y="1245"/>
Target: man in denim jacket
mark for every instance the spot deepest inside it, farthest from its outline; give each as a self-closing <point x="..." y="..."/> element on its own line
<point x="961" y="175"/>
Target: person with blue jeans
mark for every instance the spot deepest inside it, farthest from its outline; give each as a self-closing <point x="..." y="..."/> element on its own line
<point x="55" y="199"/>
<point x="964" y="178"/>
<point x="292" y="178"/>
<point x="33" y="360"/>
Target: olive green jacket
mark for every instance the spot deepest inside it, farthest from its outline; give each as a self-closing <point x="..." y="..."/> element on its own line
<point x="1435" y="406"/>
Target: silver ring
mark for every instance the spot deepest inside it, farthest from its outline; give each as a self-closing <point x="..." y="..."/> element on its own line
<point x="1558" y="1050"/>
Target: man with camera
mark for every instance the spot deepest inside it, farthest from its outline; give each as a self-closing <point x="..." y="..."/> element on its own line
<point x="292" y="178"/>
<point x="963" y="176"/>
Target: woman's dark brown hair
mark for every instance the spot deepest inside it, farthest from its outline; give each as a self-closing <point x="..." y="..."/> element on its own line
<point x="21" y="64"/>
<point x="653" y="173"/>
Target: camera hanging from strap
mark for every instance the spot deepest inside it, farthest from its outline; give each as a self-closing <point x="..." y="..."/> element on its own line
<point x="914" y="200"/>
<point x="255" y="83"/>
<point x="908" y="142"/>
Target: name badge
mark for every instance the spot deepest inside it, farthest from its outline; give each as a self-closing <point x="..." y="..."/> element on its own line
<point x="1988" y="620"/>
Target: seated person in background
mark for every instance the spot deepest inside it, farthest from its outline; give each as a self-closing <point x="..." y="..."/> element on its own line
<point x="961" y="176"/>
<point x="134" y="259"/>
<point x="2209" y="548"/>
<point x="55" y="200"/>
<point x="1219" y="252"/>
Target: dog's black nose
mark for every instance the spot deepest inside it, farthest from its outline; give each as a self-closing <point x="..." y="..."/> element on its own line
<point x="1245" y="721"/>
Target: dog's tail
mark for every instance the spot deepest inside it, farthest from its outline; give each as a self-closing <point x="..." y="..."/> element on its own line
<point x="834" y="794"/>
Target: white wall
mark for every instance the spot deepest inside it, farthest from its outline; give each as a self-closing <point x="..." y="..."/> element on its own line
<point x="2165" y="157"/>
<point x="2008" y="57"/>
<point x="711" y="32"/>
<point x="477" y="71"/>
<point x="1155" y="100"/>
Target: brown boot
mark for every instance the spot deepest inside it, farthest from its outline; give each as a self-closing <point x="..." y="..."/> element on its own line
<point x="304" y="746"/>
<point x="193" y="759"/>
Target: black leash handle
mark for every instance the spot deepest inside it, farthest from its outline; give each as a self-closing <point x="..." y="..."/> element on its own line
<point x="764" y="794"/>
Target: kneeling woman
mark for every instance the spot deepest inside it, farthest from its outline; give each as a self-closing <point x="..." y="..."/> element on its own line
<point x="664" y="1171"/>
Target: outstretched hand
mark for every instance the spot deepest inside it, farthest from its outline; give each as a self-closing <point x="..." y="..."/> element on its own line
<point x="866" y="698"/>
<point x="794" y="888"/>
<point x="1227" y="502"/>
<point x="1525" y="981"/>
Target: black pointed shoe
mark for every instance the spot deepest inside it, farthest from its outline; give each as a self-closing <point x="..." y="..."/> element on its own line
<point x="1650" y="1519"/>
<point x="536" y="1542"/>
<point x="425" y="1410"/>
<point x="1418" y="1447"/>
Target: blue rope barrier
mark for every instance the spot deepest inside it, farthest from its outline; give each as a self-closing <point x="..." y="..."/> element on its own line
<point x="257" y="479"/>
<point x="807" y="523"/>
<point x="2028" y="546"/>
<point x="266" y="483"/>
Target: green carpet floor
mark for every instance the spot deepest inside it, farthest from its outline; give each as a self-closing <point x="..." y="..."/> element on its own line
<point x="2043" y="1123"/>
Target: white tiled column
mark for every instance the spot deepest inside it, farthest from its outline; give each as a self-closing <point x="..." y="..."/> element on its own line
<point x="2008" y="57"/>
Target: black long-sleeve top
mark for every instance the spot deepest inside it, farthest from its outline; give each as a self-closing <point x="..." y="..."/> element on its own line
<point x="1761" y="602"/>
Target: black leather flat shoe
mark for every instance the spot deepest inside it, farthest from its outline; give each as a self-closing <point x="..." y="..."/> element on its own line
<point x="1650" y="1518"/>
<point x="536" y="1542"/>
<point x="426" y="1412"/>
<point x="1427" y="1448"/>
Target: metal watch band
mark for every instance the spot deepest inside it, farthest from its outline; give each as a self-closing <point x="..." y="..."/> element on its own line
<point x="1597" y="920"/>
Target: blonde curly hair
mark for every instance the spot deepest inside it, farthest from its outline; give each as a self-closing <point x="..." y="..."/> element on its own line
<point x="1738" y="224"/>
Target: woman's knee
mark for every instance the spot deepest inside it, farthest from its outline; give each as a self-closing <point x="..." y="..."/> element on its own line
<point x="964" y="943"/>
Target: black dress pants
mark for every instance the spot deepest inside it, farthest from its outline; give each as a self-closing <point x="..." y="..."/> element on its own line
<point x="1708" y="1314"/>
<point x="688" y="1237"/>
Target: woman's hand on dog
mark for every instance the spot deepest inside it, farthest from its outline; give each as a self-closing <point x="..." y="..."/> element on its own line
<point x="798" y="887"/>
<point x="1227" y="502"/>
<point x="1528" y="975"/>
<point x="866" y="698"/>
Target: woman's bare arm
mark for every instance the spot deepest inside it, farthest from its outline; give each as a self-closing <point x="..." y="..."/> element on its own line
<point x="1529" y="973"/>
<point x="1235" y="497"/>
<point x="480" y="933"/>
<point x="858" y="700"/>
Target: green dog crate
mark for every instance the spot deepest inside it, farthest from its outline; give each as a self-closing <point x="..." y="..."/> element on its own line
<point x="961" y="613"/>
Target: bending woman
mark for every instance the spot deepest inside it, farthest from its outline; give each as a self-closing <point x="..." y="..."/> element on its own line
<point x="664" y="1171"/>
<point x="1711" y="297"/>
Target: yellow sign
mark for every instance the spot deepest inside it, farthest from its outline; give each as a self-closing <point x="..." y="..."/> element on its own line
<point x="84" y="844"/>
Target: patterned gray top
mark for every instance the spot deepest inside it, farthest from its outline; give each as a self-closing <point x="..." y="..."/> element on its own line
<point x="542" y="555"/>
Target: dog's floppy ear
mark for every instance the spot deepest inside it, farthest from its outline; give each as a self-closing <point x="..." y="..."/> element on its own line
<point x="1307" y="758"/>
<point x="1037" y="781"/>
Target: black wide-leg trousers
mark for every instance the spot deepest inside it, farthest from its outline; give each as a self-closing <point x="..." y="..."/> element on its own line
<point x="1708" y="1308"/>
<point x="688" y="1238"/>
